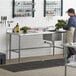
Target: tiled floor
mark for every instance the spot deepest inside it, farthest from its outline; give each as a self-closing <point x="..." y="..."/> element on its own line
<point x="53" y="71"/>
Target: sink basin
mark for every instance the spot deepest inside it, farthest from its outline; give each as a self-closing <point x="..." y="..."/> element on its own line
<point x="52" y="30"/>
<point x="53" y="37"/>
<point x="61" y="31"/>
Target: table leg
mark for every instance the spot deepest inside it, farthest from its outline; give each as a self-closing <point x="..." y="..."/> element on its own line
<point x="19" y="49"/>
<point x="65" y="58"/>
<point x="53" y="48"/>
<point x="65" y="70"/>
<point x="10" y="47"/>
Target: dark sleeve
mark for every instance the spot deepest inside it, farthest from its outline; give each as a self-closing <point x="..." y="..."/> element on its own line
<point x="70" y="23"/>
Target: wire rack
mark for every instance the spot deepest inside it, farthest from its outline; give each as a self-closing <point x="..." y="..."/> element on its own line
<point x="53" y="7"/>
<point x="23" y="8"/>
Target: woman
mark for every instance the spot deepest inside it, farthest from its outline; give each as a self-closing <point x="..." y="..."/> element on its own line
<point x="71" y="30"/>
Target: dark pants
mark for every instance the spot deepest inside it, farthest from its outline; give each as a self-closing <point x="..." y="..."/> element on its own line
<point x="71" y="51"/>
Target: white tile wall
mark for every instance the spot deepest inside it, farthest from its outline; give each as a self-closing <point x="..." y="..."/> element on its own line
<point x="37" y="21"/>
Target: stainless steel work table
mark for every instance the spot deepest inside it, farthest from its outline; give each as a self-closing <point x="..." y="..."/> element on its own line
<point x="53" y="36"/>
<point x="70" y="64"/>
<point x="19" y="36"/>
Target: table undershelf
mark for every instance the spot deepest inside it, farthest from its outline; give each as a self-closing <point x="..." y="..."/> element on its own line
<point x="72" y="64"/>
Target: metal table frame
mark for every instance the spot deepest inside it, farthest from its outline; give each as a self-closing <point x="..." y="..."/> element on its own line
<point x="19" y="46"/>
<point x="53" y="41"/>
<point x="10" y="35"/>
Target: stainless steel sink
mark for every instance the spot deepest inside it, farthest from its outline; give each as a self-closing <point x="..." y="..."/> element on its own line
<point x="52" y="30"/>
<point x="56" y="36"/>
